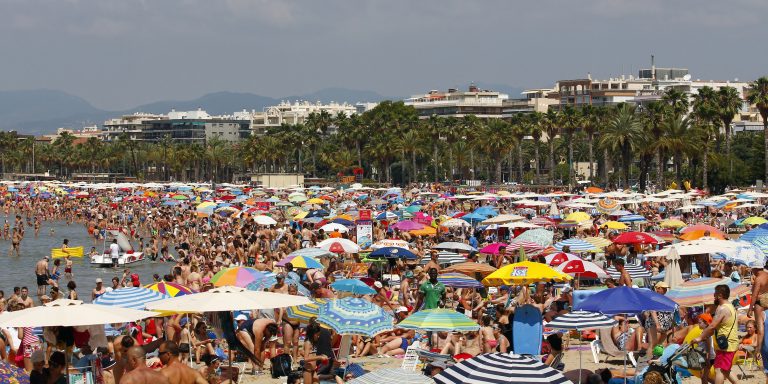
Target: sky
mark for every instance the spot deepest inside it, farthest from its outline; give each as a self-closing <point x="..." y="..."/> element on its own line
<point x="121" y="53"/>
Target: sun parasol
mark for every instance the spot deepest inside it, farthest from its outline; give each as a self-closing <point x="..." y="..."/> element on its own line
<point x="354" y="316"/>
<point x="528" y="246"/>
<point x="307" y="311"/>
<point x="525" y="272"/>
<point x="129" y="297"/>
<point x="492" y="249"/>
<point x="598" y="242"/>
<point x="702" y="227"/>
<point x="330" y="227"/>
<point x="539" y="236"/>
<point x="169" y="288"/>
<point x="634" y="238"/>
<point x="439" y="319"/>
<point x="305" y="262"/>
<point x="354" y="286"/>
<point x="700" y="233"/>
<point x="454" y="246"/>
<point x="672" y="223"/>
<point x="338" y="245"/>
<point x="71" y="313"/>
<point x="635" y="271"/>
<point x="626" y="300"/>
<point x="614" y="225"/>
<point x="607" y="205"/>
<point x="555" y="259"/>
<point x="446" y="258"/>
<point x="458" y="280"/>
<point x="471" y="268"/>
<point x="426" y="231"/>
<point x="408" y="225"/>
<point x="393" y="253"/>
<point x="582" y="269"/>
<point x="500" y="368"/>
<point x="237" y="276"/>
<point x="698" y="292"/>
<point x="226" y="298"/>
<point x="575" y="245"/>
<point x="578" y="217"/>
<point x="311" y="252"/>
<point x="386" y="375"/>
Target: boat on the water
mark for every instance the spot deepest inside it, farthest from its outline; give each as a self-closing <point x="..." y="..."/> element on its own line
<point x="127" y="254"/>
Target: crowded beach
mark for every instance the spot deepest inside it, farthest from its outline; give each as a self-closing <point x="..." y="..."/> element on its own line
<point x="424" y="284"/>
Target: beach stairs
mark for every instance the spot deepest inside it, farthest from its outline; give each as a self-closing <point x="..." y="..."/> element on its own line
<point x="603" y="343"/>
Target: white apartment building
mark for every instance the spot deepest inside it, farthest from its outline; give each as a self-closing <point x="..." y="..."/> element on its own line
<point x="293" y="113"/>
<point x="455" y="103"/>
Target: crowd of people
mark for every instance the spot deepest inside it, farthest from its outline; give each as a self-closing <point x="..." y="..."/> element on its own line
<point x="190" y="247"/>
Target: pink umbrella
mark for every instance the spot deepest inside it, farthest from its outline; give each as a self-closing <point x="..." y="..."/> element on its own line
<point x="492" y="249"/>
<point x="407" y="225"/>
<point x="422" y="218"/>
<point x="529" y="246"/>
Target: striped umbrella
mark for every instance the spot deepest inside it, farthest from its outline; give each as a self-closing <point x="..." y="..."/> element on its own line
<point x="598" y="242"/>
<point x="575" y="245"/>
<point x="500" y="368"/>
<point x="458" y="280"/>
<point x="632" y="219"/>
<point x="446" y="258"/>
<point x="539" y="236"/>
<point x="306" y="311"/>
<point x="270" y="279"/>
<point x="237" y="276"/>
<point x="169" y="288"/>
<point x="311" y="252"/>
<point x="354" y="286"/>
<point x="305" y="262"/>
<point x="387" y="375"/>
<point x="354" y="316"/>
<point x="131" y="297"/>
<point x="750" y="254"/>
<point x="582" y="320"/>
<point x="439" y="319"/>
<point x="530" y="247"/>
<point x="698" y="292"/>
<point x="607" y="205"/>
<point x="635" y="272"/>
<point x="754" y="234"/>
<point x="471" y="268"/>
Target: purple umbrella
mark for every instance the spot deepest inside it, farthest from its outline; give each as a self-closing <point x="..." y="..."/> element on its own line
<point x="408" y="225"/>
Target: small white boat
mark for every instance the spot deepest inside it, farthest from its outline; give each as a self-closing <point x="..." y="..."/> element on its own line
<point x="127" y="255"/>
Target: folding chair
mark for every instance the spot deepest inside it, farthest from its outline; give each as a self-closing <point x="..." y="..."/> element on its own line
<point x="603" y="343"/>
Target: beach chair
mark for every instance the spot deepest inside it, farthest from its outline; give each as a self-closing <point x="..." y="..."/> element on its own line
<point x="411" y="357"/>
<point x="603" y="343"/>
<point x="557" y="362"/>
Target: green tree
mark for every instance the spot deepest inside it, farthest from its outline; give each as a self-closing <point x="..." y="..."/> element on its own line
<point x="623" y="135"/>
<point x="758" y="95"/>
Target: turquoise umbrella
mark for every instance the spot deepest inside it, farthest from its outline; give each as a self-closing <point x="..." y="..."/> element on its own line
<point x="353" y="316"/>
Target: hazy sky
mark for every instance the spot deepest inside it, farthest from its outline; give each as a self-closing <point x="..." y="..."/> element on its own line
<point x="121" y="53"/>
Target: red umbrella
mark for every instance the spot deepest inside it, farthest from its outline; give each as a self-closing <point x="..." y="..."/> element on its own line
<point x="559" y="258"/>
<point x="583" y="269"/>
<point x="635" y="238"/>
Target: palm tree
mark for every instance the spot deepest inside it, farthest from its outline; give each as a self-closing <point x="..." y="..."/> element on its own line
<point x="496" y="141"/>
<point x="623" y="135"/>
<point x="535" y="121"/>
<point x="677" y="141"/>
<point x="758" y="95"/>
<point x="572" y="120"/>
<point x="472" y="126"/>
<point x="520" y="129"/>
<point x="705" y="112"/>
<point x="551" y="128"/>
<point x="434" y="129"/>
<point x="656" y="112"/>
<point x="728" y="103"/>
<point x="677" y="100"/>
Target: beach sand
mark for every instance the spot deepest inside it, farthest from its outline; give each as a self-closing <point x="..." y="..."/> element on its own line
<point x="571" y="361"/>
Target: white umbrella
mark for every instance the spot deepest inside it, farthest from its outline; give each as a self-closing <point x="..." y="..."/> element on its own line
<point x="338" y="244"/>
<point x="226" y="298"/>
<point x="71" y="313"/>
<point x="264" y="220"/>
<point x="330" y="227"/>
<point x="455" y="223"/>
<point x="452" y="245"/>
<point x="520" y="224"/>
<point x="672" y="275"/>
<point x="501" y="219"/>
<point x="698" y="247"/>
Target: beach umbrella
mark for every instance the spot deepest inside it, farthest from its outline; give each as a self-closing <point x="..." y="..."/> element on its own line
<point x="471" y="268"/>
<point x="699" y="233"/>
<point x="387" y="375"/>
<point x="426" y="231"/>
<point x="393" y="253"/>
<point x="607" y="205"/>
<point x="502" y="219"/>
<point x="703" y="227"/>
<point x="500" y="368"/>
<point x="748" y="254"/>
<point x="528" y="246"/>
<point x="614" y="225"/>
<point x="311" y="252"/>
<point x="339" y="245"/>
<point x="264" y="220"/>
<point x="71" y="313"/>
<point x="237" y="276"/>
<point x="129" y="297"/>
<point x="520" y="224"/>
<point x="355" y="316"/>
<point x="635" y="271"/>
<point x="598" y="242"/>
<point x="386" y="215"/>
<point x="539" y="236"/>
<point x="582" y="320"/>
<point x="474" y="218"/>
<point x="169" y="288"/>
<point x="354" y="286"/>
<point x="634" y="238"/>
<point x="317" y="213"/>
<point x="672" y="274"/>
<point x="342" y="221"/>
<point x="626" y="300"/>
<point x="407" y="225"/>
<point x="577" y="217"/>
<point x="698" y="292"/>
<point x="271" y="280"/>
<point x="582" y="269"/>
<point x="458" y="280"/>
<point x="672" y="223"/>
<point x="226" y="298"/>
<point x="454" y="223"/>
<point x="305" y="262"/>
<point x="754" y="220"/>
<point x="391" y="243"/>
<point x="575" y="245"/>
<point x="754" y="234"/>
<point x="454" y="246"/>
<point x="10" y="374"/>
<point x="632" y="219"/>
<point x="330" y="227"/>
<point x="492" y="249"/>
<point x="446" y="258"/>
<point x="439" y="319"/>
<point x="525" y="272"/>
<point x="621" y="212"/>
<point x="305" y="312"/>
<point x="555" y="259"/>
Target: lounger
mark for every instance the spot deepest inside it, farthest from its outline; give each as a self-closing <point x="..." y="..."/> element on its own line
<point x="603" y="343"/>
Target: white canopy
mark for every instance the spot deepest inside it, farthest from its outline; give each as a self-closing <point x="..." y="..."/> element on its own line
<point x="226" y="298"/>
<point x="71" y="313"/>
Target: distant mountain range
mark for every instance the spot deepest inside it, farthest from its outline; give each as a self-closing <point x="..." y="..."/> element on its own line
<point x="43" y="111"/>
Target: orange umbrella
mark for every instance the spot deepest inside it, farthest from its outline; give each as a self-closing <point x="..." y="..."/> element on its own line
<point x="699" y="233"/>
<point x="594" y="190"/>
<point x="703" y="227"/>
<point x="426" y="231"/>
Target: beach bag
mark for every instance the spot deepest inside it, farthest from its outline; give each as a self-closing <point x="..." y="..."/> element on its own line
<point x="695" y="358"/>
<point x="281" y="365"/>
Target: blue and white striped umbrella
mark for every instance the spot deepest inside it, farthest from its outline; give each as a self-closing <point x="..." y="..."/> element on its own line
<point x="387" y="375"/>
<point x="762" y="243"/>
<point x="632" y="219"/>
<point x="754" y="234"/>
<point x="635" y="272"/>
<point x="500" y="368"/>
<point x="576" y="245"/>
<point x="582" y="320"/>
<point x="749" y="254"/>
<point x="353" y="316"/>
<point x="134" y="298"/>
<point x="311" y="252"/>
<point x="446" y="258"/>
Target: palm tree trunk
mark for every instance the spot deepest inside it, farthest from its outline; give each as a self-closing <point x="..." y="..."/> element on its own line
<point x="520" y="163"/>
<point x="359" y="154"/>
<point x="314" y="162"/>
<point x="705" y="164"/>
<point x="413" y="167"/>
<point x="727" y="128"/>
<point x="498" y="172"/>
<point x="551" y="160"/>
<point x="570" y="159"/>
<point x="659" y="169"/>
<point x="591" y="157"/>
<point x="510" y="164"/>
<point x="536" y="160"/>
<point x="434" y="159"/>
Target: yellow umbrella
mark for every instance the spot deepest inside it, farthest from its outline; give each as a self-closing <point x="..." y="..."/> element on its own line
<point x="754" y="220"/>
<point x="614" y="225"/>
<point x="525" y="272"/>
<point x="315" y="200"/>
<point x="301" y="215"/>
<point x="672" y="223"/>
<point x="578" y="217"/>
<point x="598" y="242"/>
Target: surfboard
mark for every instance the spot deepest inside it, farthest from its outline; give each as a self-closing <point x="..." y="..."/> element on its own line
<point x="528" y="330"/>
<point x="73" y="252"/>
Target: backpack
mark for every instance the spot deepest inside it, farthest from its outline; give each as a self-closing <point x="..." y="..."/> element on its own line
<point x="281" y="365"/>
